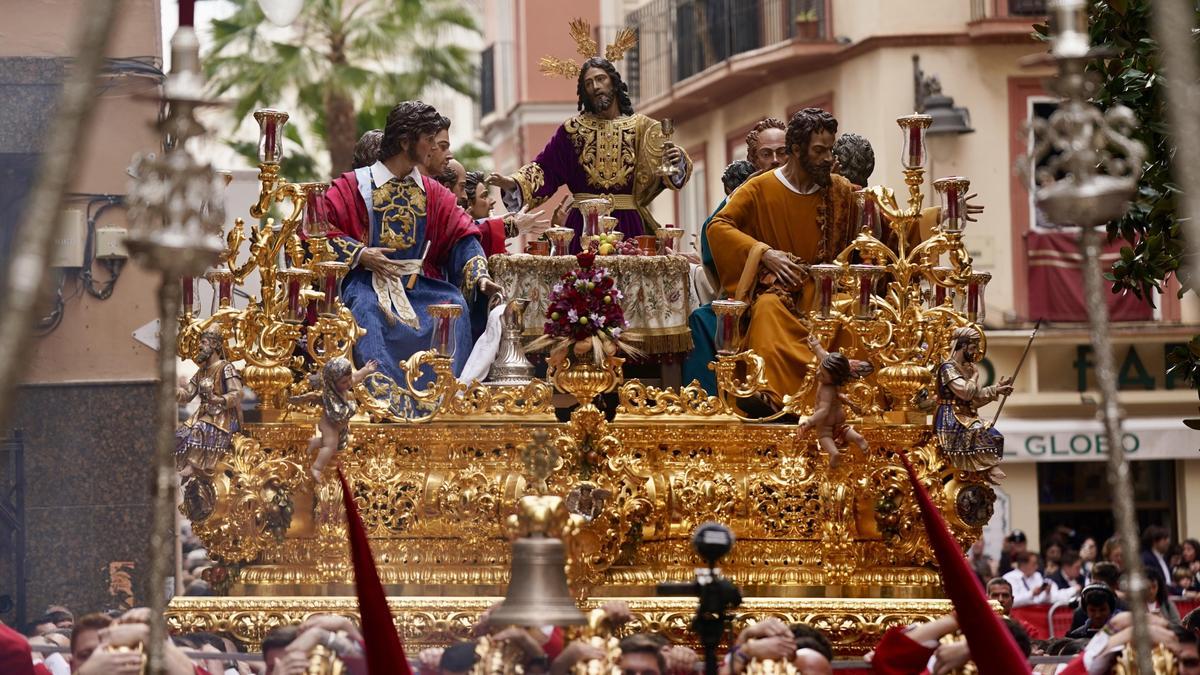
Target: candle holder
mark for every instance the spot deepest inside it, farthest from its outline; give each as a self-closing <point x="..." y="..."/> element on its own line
<point x="729" y="314"/>
<point x="866" y="213"/>
<point x="560" y="240"/>
<point x="221" y="280"/>
<point x="270" y="135"/>
<point x="865" y="276"/>
<point x="914" y="154"/>
<point x="608" y="224"/>
<point x="329" y="275"/>
<point x="445" y="317"/>
<point x="647" y="244"/>
<point x="971" y="300"/>
<point x="952" y="192"/>
<point x="294" y="279"/>
<point x="668" y="238"/>
<point x="825" y="276"/>
<point x="592" y="210"/>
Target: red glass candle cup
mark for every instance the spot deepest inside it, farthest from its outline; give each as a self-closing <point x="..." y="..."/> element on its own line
<point x="316" y="210"/>
<point x="914" y="126"/>
<point x="825" y="276"/>
<point x="270" y="135"/>
<point x="866" y="276"/>
<point x="444" y="316"/>
<point x="647" y="244"/>
<point x="539" y="247"/>
<point x="729" y="314"/>
<point x="976" y="285"/>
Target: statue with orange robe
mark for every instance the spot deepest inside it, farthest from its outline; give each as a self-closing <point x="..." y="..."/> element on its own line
<point x="770" y="230"/>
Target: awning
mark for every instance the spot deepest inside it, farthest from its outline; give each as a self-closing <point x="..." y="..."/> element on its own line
<point x="1075" y="440"/>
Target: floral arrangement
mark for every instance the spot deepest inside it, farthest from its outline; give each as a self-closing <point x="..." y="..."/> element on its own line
<point x="584" y="310"/>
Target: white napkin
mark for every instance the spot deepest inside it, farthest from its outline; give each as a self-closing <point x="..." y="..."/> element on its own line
<point x="479" y="363"/>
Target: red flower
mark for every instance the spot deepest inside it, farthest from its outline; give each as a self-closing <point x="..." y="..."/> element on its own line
<point x="585" y="259"/>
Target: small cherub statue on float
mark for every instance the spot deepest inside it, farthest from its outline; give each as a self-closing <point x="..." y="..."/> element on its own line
<point x="336" y="396"/>
<point x="829" y="417"/>
<point x="208" y="434"/>
<point x="968" y="444"/>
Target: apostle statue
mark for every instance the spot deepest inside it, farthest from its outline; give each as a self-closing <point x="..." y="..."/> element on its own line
<point x="607" y="150"/>
<point x="967" y="443"/>
<point x="408" y="243"/>
<point x="769" y="231"/>
<point x="208" y="434"/>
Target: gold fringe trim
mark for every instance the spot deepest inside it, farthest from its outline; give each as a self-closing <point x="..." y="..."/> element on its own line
<point x="665" y="343"/>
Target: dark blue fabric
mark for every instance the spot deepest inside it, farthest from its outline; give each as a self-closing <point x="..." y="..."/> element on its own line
<point x="389" y="344"/>
<point x="703" y="323"/>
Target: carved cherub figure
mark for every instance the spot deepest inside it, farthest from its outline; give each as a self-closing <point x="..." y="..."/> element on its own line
<point x="338" y="379"/>
<point x="829" y="417"/>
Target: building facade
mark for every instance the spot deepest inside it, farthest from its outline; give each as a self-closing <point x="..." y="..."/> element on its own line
<point x="716" y="67"/>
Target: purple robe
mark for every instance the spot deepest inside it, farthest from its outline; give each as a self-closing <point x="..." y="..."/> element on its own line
<point x="597" y="157"/>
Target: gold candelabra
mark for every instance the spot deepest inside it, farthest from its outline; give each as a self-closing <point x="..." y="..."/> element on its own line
<point x="297" y="299"/>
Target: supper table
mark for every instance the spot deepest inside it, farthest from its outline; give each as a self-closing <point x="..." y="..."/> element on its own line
<point x="655" y="290"/>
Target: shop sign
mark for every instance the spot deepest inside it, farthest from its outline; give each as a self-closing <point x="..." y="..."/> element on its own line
<point x="1085" y="440"/>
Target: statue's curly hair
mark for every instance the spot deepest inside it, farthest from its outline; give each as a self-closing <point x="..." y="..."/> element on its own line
<point x="806" y="122"/>
<point x="738" y="172"/>
<point x="366" y="150"/>
<point x="619" y="87"/>
<point x="838" y="367"/>
<point x="856" y="158"/>
<point x="470" y="185"/>
<point x="408" y="121"/>
<point x="752" y="135"/>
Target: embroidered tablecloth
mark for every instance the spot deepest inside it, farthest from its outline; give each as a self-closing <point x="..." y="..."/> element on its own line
<point x="655" y="290"/>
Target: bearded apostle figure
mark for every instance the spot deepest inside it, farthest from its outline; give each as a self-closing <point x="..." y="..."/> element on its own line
<point x="607" y="150"/>
<point x="407" y="242"/>
<point x="770" y="230"/>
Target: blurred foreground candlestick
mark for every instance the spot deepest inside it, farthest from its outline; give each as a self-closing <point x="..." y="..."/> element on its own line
<point x="1085" y="167"/>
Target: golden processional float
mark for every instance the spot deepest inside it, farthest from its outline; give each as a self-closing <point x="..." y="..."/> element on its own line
<point x="842" y="549"/>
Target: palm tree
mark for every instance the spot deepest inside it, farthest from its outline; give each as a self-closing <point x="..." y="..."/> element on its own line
<point x="344" y="63"/>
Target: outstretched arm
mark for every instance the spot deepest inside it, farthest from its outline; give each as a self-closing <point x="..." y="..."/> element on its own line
<point x="362" y="373"/>
<point x="818" y="351"/>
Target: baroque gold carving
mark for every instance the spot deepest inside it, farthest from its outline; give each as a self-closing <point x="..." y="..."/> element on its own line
<point x="853" y="625"/>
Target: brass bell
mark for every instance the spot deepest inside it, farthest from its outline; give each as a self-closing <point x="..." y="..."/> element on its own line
<point x="537" y="588"/>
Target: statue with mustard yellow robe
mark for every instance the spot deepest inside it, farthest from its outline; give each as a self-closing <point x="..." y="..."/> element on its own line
<point x="607" y="150"/>
<point x="771" y="229"/>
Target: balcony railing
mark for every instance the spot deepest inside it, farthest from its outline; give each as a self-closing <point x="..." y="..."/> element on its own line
<point x="680" y="38"/>
<point x="999" y="9"/>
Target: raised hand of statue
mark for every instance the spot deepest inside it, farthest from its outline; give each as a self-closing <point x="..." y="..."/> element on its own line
<point x="528" y="223"/>
<point x="1005" y="386"/>
<point x="971" y="209"/>
<point x="672" y="153"/>
<point x="501" y="181"/>
<point x="781" y="265"/>
<point x="559" y="217"/>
